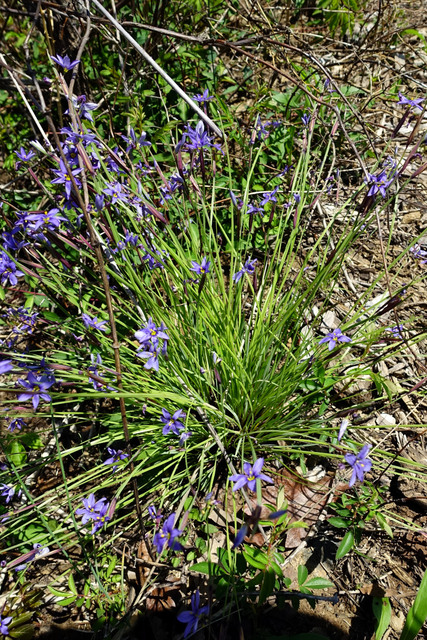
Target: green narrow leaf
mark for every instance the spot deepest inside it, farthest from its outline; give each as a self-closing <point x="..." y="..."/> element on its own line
<point x="24" y="632"/>
<point x="340" y="523"/>
<point x="57" y="593"/>
<point x="267" y="586"/>
<point x="302" y="574"/>
<point x="29" y="302"/>
<point x="417" y="614"/>
<point x="66" y="601"/>
<point x="255" y="558"/>
<point x="223" y="559"/>
<point x="111" y="566"/>
<point x="209" y="568"/>
<point x="382" y="611"/>
<point x="347" y="543"/>
<point x="52" y="316"/>
<point x="318" y="583"/>
<point x="16" y="453"/>
<point x="241" y="565"/>
<point x="384" y="524"/>
<point x="72" y="584"/>
<point x="276" y="568"/>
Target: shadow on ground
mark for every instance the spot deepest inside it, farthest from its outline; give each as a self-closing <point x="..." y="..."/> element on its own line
<point x="281" y="622"/>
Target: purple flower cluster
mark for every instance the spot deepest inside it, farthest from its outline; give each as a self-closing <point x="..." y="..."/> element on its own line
<point x="10" y="242"/>
<point x="98" y="385"/>
<point x="197" y="139"/>
<point x="27" y="322"/>
<point x="155" y="514"/>
<point x="396" y="331"/>
<point x="262" y="131"/>
<point x="269" y="196"/>
<point x="129" y="239"/>
<point x="267" y="203"/>
<point x="96" y="511"/>
<point x="306" y="119"/>
<point x="37" y="552"/>
<point x="8" y="270"/>
<point x="418" y="254"/>
<point x="149" y="338"/>
<point x="173" y="186"/>
<point x="8" y="492"/>
<point x="45" y="220"/>
<point x="116" y="191"/>
<point x="203" y="97"/>
<point x="63" y="177"/>
<point x="150" y="260"/>
<point x="83" y="107"/>
<point x="23" y="157"/>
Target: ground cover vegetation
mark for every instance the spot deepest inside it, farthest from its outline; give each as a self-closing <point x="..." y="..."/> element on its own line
<point x="195" y="378"/>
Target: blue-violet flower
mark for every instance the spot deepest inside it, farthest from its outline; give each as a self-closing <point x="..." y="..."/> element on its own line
<point x="93" y="323"/>
<point x="250" y="476"/>
<point x="192" y="618"/>
<point x="334" y="338"/>
<point x="360" y="463"/>
<point x="202" y="268"/>
<point x="167" y="536"/>
<point x="65" y="62"/>
<point x="172" y="422"/>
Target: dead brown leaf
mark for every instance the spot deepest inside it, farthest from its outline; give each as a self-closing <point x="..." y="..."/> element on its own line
<point x="306" y="501"/>
<point x="159" y="599"/>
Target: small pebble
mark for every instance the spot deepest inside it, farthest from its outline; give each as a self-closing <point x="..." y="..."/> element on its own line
<point x="385" y="419"/>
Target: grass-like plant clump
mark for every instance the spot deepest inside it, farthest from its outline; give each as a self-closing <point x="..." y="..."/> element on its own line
<point x="181" y="342"/>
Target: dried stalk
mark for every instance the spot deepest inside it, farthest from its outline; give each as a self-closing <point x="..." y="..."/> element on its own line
<point x="159" y="70"/>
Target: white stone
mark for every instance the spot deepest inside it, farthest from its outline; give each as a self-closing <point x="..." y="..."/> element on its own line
<point x="330" y="319"/>
<point x="385" y="419"/>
